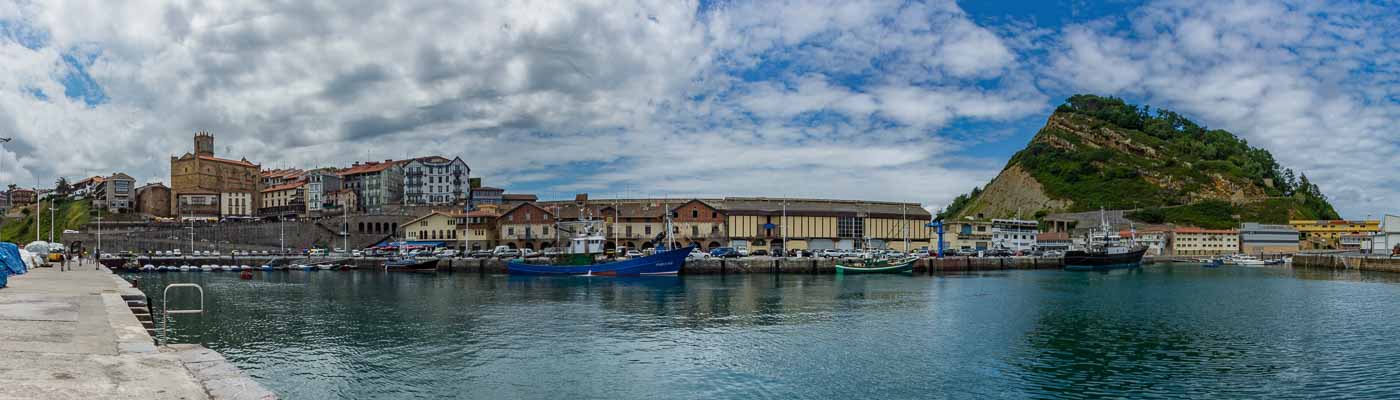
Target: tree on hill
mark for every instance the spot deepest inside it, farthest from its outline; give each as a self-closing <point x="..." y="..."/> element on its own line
<point x="62" y="187"/>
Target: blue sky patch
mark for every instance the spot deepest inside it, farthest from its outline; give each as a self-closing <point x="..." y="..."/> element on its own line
<point x="77" y="84"/>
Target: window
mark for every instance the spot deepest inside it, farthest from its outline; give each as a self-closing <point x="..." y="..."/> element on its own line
<point x="544" y="230"/>
<point x="629" y="230"/>
<point x="694" y="230"/>
<point x="647" y="230"/>
<point x="695" y="213"/>
<point x="510" y="231"/>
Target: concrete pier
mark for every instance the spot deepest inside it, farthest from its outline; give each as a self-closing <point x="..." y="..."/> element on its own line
<point x="1382" y="263"/>
<point x="74" y="335"/>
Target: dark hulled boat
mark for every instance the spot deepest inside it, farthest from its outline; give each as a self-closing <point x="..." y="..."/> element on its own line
<point x="410" y="264"/>
<point x="664" y="263"/>
<point x="1111" y="254"/>
<point x="1102" y="259"/>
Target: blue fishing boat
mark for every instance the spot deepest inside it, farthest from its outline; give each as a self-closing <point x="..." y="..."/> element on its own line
<point x="664" y="263"/>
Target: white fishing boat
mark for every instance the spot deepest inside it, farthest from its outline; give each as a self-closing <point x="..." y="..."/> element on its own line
<point x="1241" y="259"/>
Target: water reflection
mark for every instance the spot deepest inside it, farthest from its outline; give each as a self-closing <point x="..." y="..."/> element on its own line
<point x="1162" y="331"/>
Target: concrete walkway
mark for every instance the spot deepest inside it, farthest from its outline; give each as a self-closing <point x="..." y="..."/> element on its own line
<point x="71" y="335"/>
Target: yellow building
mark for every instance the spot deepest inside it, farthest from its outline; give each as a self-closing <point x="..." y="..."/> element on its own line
<point x="436" y="226"/>
<point x="1204" y="242"/>
<point x="760" y="223"/>
<point x="1332" y="231"/>
<point x="287" y="200"/>
<point x="967" y="235"/>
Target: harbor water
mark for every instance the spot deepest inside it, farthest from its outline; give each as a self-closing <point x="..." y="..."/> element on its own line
<point x="1161" y="331"/>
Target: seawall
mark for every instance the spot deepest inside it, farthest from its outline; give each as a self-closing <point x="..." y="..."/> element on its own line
<point x="798" y="265"/>
<point x="1348" y="261"/>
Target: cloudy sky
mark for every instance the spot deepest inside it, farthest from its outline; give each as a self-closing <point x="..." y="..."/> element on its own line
<point x="895" y="100"/>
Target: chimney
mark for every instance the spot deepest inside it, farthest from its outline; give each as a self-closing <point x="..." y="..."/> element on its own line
<point x="581" y="197"/>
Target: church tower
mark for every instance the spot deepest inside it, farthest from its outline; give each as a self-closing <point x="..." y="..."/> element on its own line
<point x="203" y="144"/>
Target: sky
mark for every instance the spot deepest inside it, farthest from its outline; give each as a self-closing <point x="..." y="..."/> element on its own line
<point x="883" y="100"/>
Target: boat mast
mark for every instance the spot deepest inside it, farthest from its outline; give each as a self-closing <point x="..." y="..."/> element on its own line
<point x="784" y="227"/>
<point x="904" y="223"/>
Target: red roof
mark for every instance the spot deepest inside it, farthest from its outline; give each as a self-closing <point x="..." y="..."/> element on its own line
<point x="286" y="186"/>
<point x="369" y="167"/>
<point x="283" y="173"/>
<point x="228" y="161"/>
<point x="481" y="213"/>
<point x="519" y="197"/>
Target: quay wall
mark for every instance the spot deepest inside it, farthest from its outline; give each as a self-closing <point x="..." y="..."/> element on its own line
<point x="692" y="267"/>
<point x="1348" y="261"/>
<point x="799" y="265"/>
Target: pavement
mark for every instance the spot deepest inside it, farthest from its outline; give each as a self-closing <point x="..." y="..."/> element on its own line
<point x="70" y="335"/>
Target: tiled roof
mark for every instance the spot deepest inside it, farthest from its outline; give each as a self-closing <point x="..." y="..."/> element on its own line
<point x="764" y="206"/>
<point x="519" y="197"/>
<point x="283" y="173"/>
<point x="286" y="186"/>
<point x="369" y="167"/>
<point x="244" y="163"/>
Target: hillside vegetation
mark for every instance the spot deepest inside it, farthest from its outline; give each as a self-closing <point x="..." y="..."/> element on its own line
<point x="73" y="214"/>
<point x="1100" y="152"/>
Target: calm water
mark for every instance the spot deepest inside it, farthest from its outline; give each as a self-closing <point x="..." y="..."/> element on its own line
<point x="1174" y="331"/>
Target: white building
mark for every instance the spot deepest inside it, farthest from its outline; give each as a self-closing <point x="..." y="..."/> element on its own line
<point x="1385" y="241"/>
<point x="1014" y="234"/>
<point x="318" y="184"/>
<point x="436" y="180"/>
<point x="236" y="204"/>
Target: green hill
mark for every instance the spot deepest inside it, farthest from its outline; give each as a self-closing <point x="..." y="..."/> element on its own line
<point x="72" y="214"/>
<point x="1098" y="152"/>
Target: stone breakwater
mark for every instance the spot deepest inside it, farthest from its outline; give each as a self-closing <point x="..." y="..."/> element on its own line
<point x="1348" y="261"/>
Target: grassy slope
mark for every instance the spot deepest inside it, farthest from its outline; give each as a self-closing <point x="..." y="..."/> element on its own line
<point x="1189" y="155"/>
<point x="70" y="215"/>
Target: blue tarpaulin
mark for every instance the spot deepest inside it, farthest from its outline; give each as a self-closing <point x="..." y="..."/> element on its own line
<point x="10" y="262"/>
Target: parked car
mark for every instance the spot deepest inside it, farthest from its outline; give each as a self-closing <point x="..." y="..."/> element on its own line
<point x="633" y="254"/>
<point x="175" y="252"/>
<point x="357" y="253"/>
<point x="482" y="254"/>
<point x="696" y="254"/>
<point x="505" y="252"/>
<point x="759" y="252"/>
<point x="724" y="252"/>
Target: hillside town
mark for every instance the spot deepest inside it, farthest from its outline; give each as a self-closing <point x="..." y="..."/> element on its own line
<point x="434" y="202"/>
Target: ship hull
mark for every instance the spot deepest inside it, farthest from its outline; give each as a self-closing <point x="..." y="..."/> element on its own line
<point x="1089" y="261"/>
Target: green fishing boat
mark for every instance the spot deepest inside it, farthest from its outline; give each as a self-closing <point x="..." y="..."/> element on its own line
<point x="896" y="266"/>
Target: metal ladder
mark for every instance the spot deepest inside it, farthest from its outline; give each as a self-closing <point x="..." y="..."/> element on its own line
<point x="166" y="311"/>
